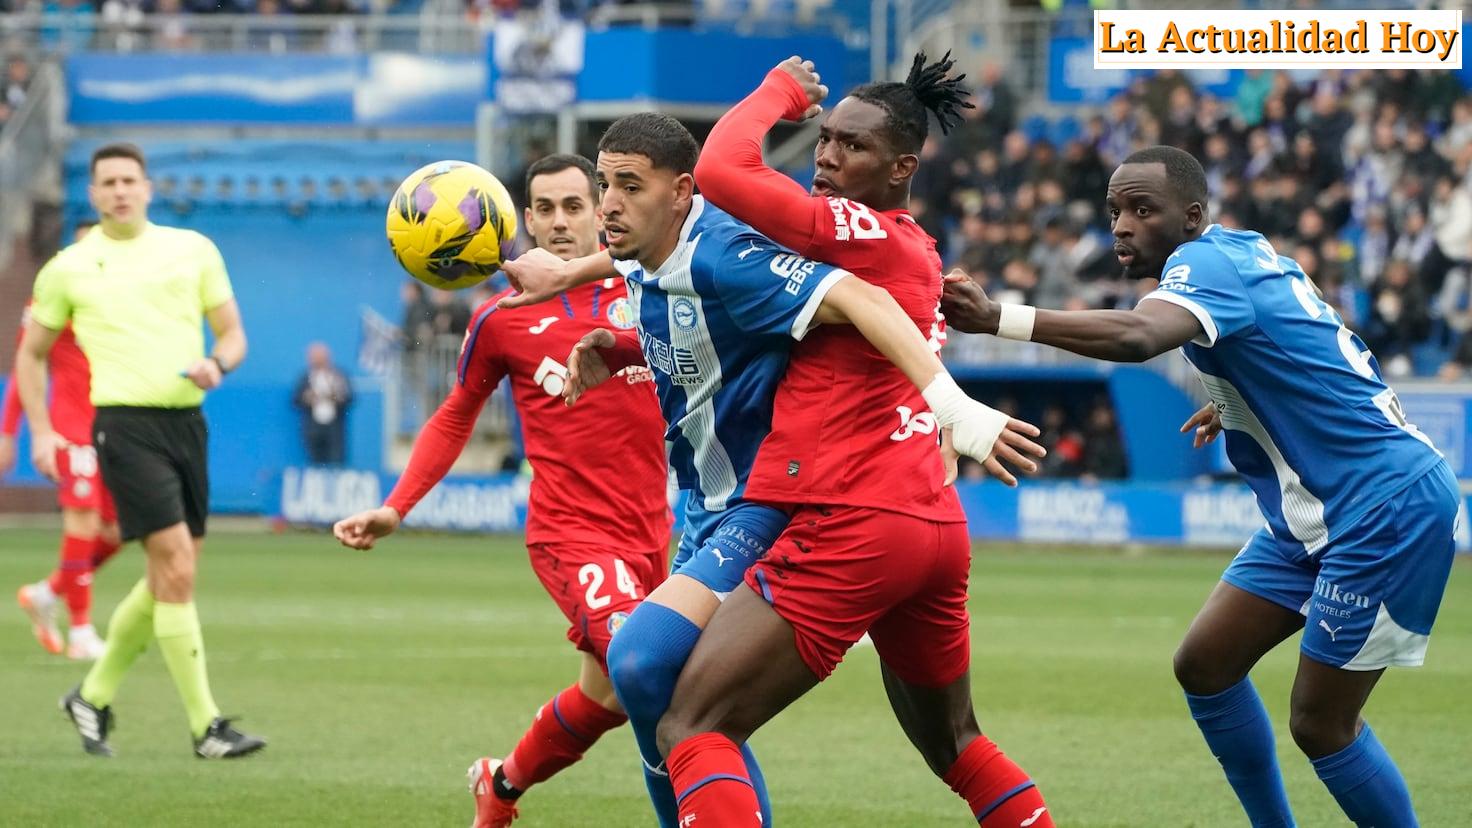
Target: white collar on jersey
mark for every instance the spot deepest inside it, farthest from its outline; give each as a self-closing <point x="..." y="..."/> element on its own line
<point x="676" y="257"/>
<point x="1209" y="228"/>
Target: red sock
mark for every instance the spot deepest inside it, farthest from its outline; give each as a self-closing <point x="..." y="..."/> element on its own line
<point x="711" y="785"/>
<point x="73" y="577"/>
<point x="102" y="549"/>
<point x="565" y="727"/>
<point x="999" y="793"/>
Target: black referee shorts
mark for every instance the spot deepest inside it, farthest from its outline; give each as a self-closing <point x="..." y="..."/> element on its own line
<point x="154" y="462"/>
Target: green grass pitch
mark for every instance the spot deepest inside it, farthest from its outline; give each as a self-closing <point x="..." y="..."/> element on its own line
<point x="379" y="676"/>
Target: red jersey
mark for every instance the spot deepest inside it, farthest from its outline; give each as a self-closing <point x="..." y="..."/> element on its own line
<point x="70" y="388"/>
<point x="598" y="468"/>
<point x="848" y="428"/>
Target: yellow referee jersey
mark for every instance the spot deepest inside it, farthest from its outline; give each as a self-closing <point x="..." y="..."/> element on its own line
<point x="137" y="307"/>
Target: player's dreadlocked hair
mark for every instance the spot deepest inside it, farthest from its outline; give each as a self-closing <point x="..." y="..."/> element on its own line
<point x="927" y="89"/>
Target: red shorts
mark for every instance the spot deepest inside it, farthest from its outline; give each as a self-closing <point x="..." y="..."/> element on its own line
<point x="837" y="572"/>
<point x="80" y="482"/>
<point x="596" y="588"/>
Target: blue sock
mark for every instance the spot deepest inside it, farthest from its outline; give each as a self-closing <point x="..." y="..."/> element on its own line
<point x="1239" y="734"/>
<point x="758" y="783"/>
<point x="644" y="661"/>
<point x="1367" y="784"/>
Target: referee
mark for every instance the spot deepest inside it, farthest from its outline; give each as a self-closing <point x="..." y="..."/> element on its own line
<point x="136" y="295"/>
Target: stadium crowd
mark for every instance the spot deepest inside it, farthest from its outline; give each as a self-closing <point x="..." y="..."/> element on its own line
<point x="1360" y="177"/>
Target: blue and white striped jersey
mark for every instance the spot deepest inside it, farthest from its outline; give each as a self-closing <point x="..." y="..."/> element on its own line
<point x="1309" y="423"/>
<point x="716" y="322"/>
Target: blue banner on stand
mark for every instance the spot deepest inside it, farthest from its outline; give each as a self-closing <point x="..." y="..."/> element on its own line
<point x="379" y="89"/>
<point x="535" y="65"/>
<point x="697" y="66"/>
<point x="323" y="496"/>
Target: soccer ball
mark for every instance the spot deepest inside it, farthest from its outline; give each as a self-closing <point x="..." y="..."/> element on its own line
<point x="451" y="224"/>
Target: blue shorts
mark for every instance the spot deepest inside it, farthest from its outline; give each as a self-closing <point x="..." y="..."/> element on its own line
<point x="1369" y="597"/>
<point x="717" y="548"/>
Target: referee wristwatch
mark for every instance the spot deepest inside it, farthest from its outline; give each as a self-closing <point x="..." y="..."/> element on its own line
<point x="219" y="363"/>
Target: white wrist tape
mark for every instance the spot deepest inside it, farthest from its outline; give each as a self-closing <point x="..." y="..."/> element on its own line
<point x="1015" y="321"/>
<point x="975" y="427"/>
<point x="946" y="400"/>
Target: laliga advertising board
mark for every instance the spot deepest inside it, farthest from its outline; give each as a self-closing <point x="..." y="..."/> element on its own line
<point x="1211" y="515"/>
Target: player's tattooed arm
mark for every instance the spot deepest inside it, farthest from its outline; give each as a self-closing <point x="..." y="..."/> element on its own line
<point x="1147" y="331"/>
<point x="539" y="275"/>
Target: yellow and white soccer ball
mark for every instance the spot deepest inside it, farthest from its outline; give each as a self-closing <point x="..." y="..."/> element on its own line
<point x="451" y="224"/>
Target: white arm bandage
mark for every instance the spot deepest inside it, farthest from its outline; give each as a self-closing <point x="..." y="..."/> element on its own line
<point x="1016" y="322"/>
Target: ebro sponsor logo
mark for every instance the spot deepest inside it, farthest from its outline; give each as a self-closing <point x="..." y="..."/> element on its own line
<point x="794" y="268"/>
